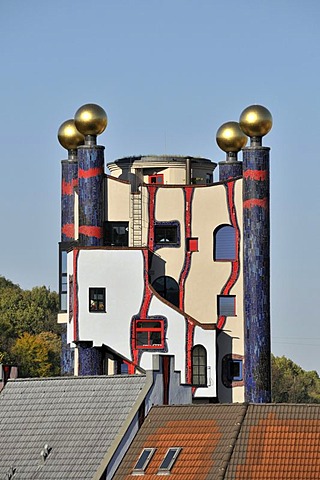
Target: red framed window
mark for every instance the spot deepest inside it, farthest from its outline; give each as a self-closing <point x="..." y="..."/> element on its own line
<point x="149" y="334"/>
<point x="158" y="178"/>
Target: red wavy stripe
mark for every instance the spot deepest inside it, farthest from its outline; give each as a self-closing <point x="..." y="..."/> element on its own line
<point x="67" y="187"/>
<point x="256" y="174"/>
<point x="91" y="231"/>
<point x="190" y="332"/>
<point x="235" y="263"/>
<point x="75" y="294"/>
<point x="143" y="313"/>
<point x="92" y="172"/>
<point x="187" y="261"/>
<point x="68" y="230"/>
<point x="256" y="202"/>
<point x="152" y="189"/>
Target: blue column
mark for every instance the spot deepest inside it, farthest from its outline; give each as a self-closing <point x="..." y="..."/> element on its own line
<point x="90" y="183"/>
<point x="256" y="272"/>
<point x="69" y="181"/>
<point x="228" y="170"/>
<point x="90" y="359"/>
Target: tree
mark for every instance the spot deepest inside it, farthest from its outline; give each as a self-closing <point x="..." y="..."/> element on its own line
<point x="292" y="384"/>
<point x="33" y="312"/>
<point x="37" y="355"/>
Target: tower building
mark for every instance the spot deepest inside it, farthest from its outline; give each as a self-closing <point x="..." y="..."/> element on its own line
<point x="157" y="258"/>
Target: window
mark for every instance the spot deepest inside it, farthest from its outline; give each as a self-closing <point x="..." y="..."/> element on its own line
<point x="143" y="461"/>
<point x="149" y="334"/>
<point x="192" y="245"/>
<point x="224" y="240"/>
<point x="116" y="234"/>
<point x="199" y="366"/>
<point x="164" y="234"/>
<point x="169" y="460"/>
<point x="63" y="281"/>
<point x="70" y="297"/>
<point x="157" y="178"/>
<point x="97" y="300"/>
<point x="227" y="305"/>
<point x="209" y="178"/>
<point x="168" y="288"/>
<point x="234" y="370"/>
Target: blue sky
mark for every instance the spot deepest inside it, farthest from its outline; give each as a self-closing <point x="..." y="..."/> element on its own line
<point x="168" y="73"/>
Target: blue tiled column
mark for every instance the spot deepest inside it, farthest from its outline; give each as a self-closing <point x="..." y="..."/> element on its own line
<point x="256" y="271"/>
<point x="229" y="170"/>
<point x="69" y="180"/>
<point x="90" y="359"/>
<point x="90" y="175"/>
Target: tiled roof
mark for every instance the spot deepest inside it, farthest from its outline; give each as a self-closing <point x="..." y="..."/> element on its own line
<point x="77" y="417"/>
<point x="278" y="442"/>
<point x="230" y="442"/>
<point x="205" y="433"/>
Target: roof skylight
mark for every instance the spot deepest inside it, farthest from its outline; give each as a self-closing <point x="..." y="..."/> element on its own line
<point x="143" y="461"/>
<point x="169" y="460"/>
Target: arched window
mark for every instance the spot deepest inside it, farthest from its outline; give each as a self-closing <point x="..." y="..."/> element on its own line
<point x="224" y="241"/>
<point x="199" y="366"/>
<point x="168" y="288"/>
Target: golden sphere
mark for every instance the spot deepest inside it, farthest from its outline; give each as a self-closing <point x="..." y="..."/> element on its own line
<point x="256" y="121"/>
<point x="230" y="137"/>
<point x="91" y="119"/>
<point x="68" y="136"/>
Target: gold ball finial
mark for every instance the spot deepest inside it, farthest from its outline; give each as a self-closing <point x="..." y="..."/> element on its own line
<point x="68" y="135"/>
<point x="230" y="137"/>
<point x="256" y="121"/>
<point x="91" y="119"/>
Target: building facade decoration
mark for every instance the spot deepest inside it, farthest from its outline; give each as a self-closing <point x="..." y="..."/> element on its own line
<point x="160" y="261"/>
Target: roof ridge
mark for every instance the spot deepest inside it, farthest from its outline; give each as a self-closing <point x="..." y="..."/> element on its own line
<point x="234" y="437"/>
<point x="73" y="377"/>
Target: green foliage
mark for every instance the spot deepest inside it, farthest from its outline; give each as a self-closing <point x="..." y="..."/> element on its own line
<point x="38" y="355"/>
<point x="27" y="319"/>
<point x="292" y="384"/>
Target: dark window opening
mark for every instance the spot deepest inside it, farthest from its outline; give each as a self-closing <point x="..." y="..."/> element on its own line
<point x="116" y="234"/>
<point x="169" y="459"/>
<point x="168" y="288"/>
<point x="157" y="178"/>
<point x="70" y="297"/>
<point x="209" y="178"/>
<point x="149" y="334"/>
<point x="224" y="240"/>
<point x="164" y="234"/>
<point x="63" y="280"/>
<point x="227" y="305"/>
<point x="234" y="370"/>
<point x="143" y="461"/>
<point x="97" y="300"/>
<point x="199" y="366"/>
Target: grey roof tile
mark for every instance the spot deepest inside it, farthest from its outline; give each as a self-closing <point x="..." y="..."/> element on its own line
<point x="78" y="417"/>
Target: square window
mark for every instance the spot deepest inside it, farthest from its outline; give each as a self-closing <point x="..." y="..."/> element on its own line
<point x="227" y="305"/>
<point x="97" y="300"/>
<point x="149" y="334"/>
<point x="192" y="245"/>
<point x="116" y="234"/>
<point x="157" y="178"/>
<point x="166" y="234"/>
